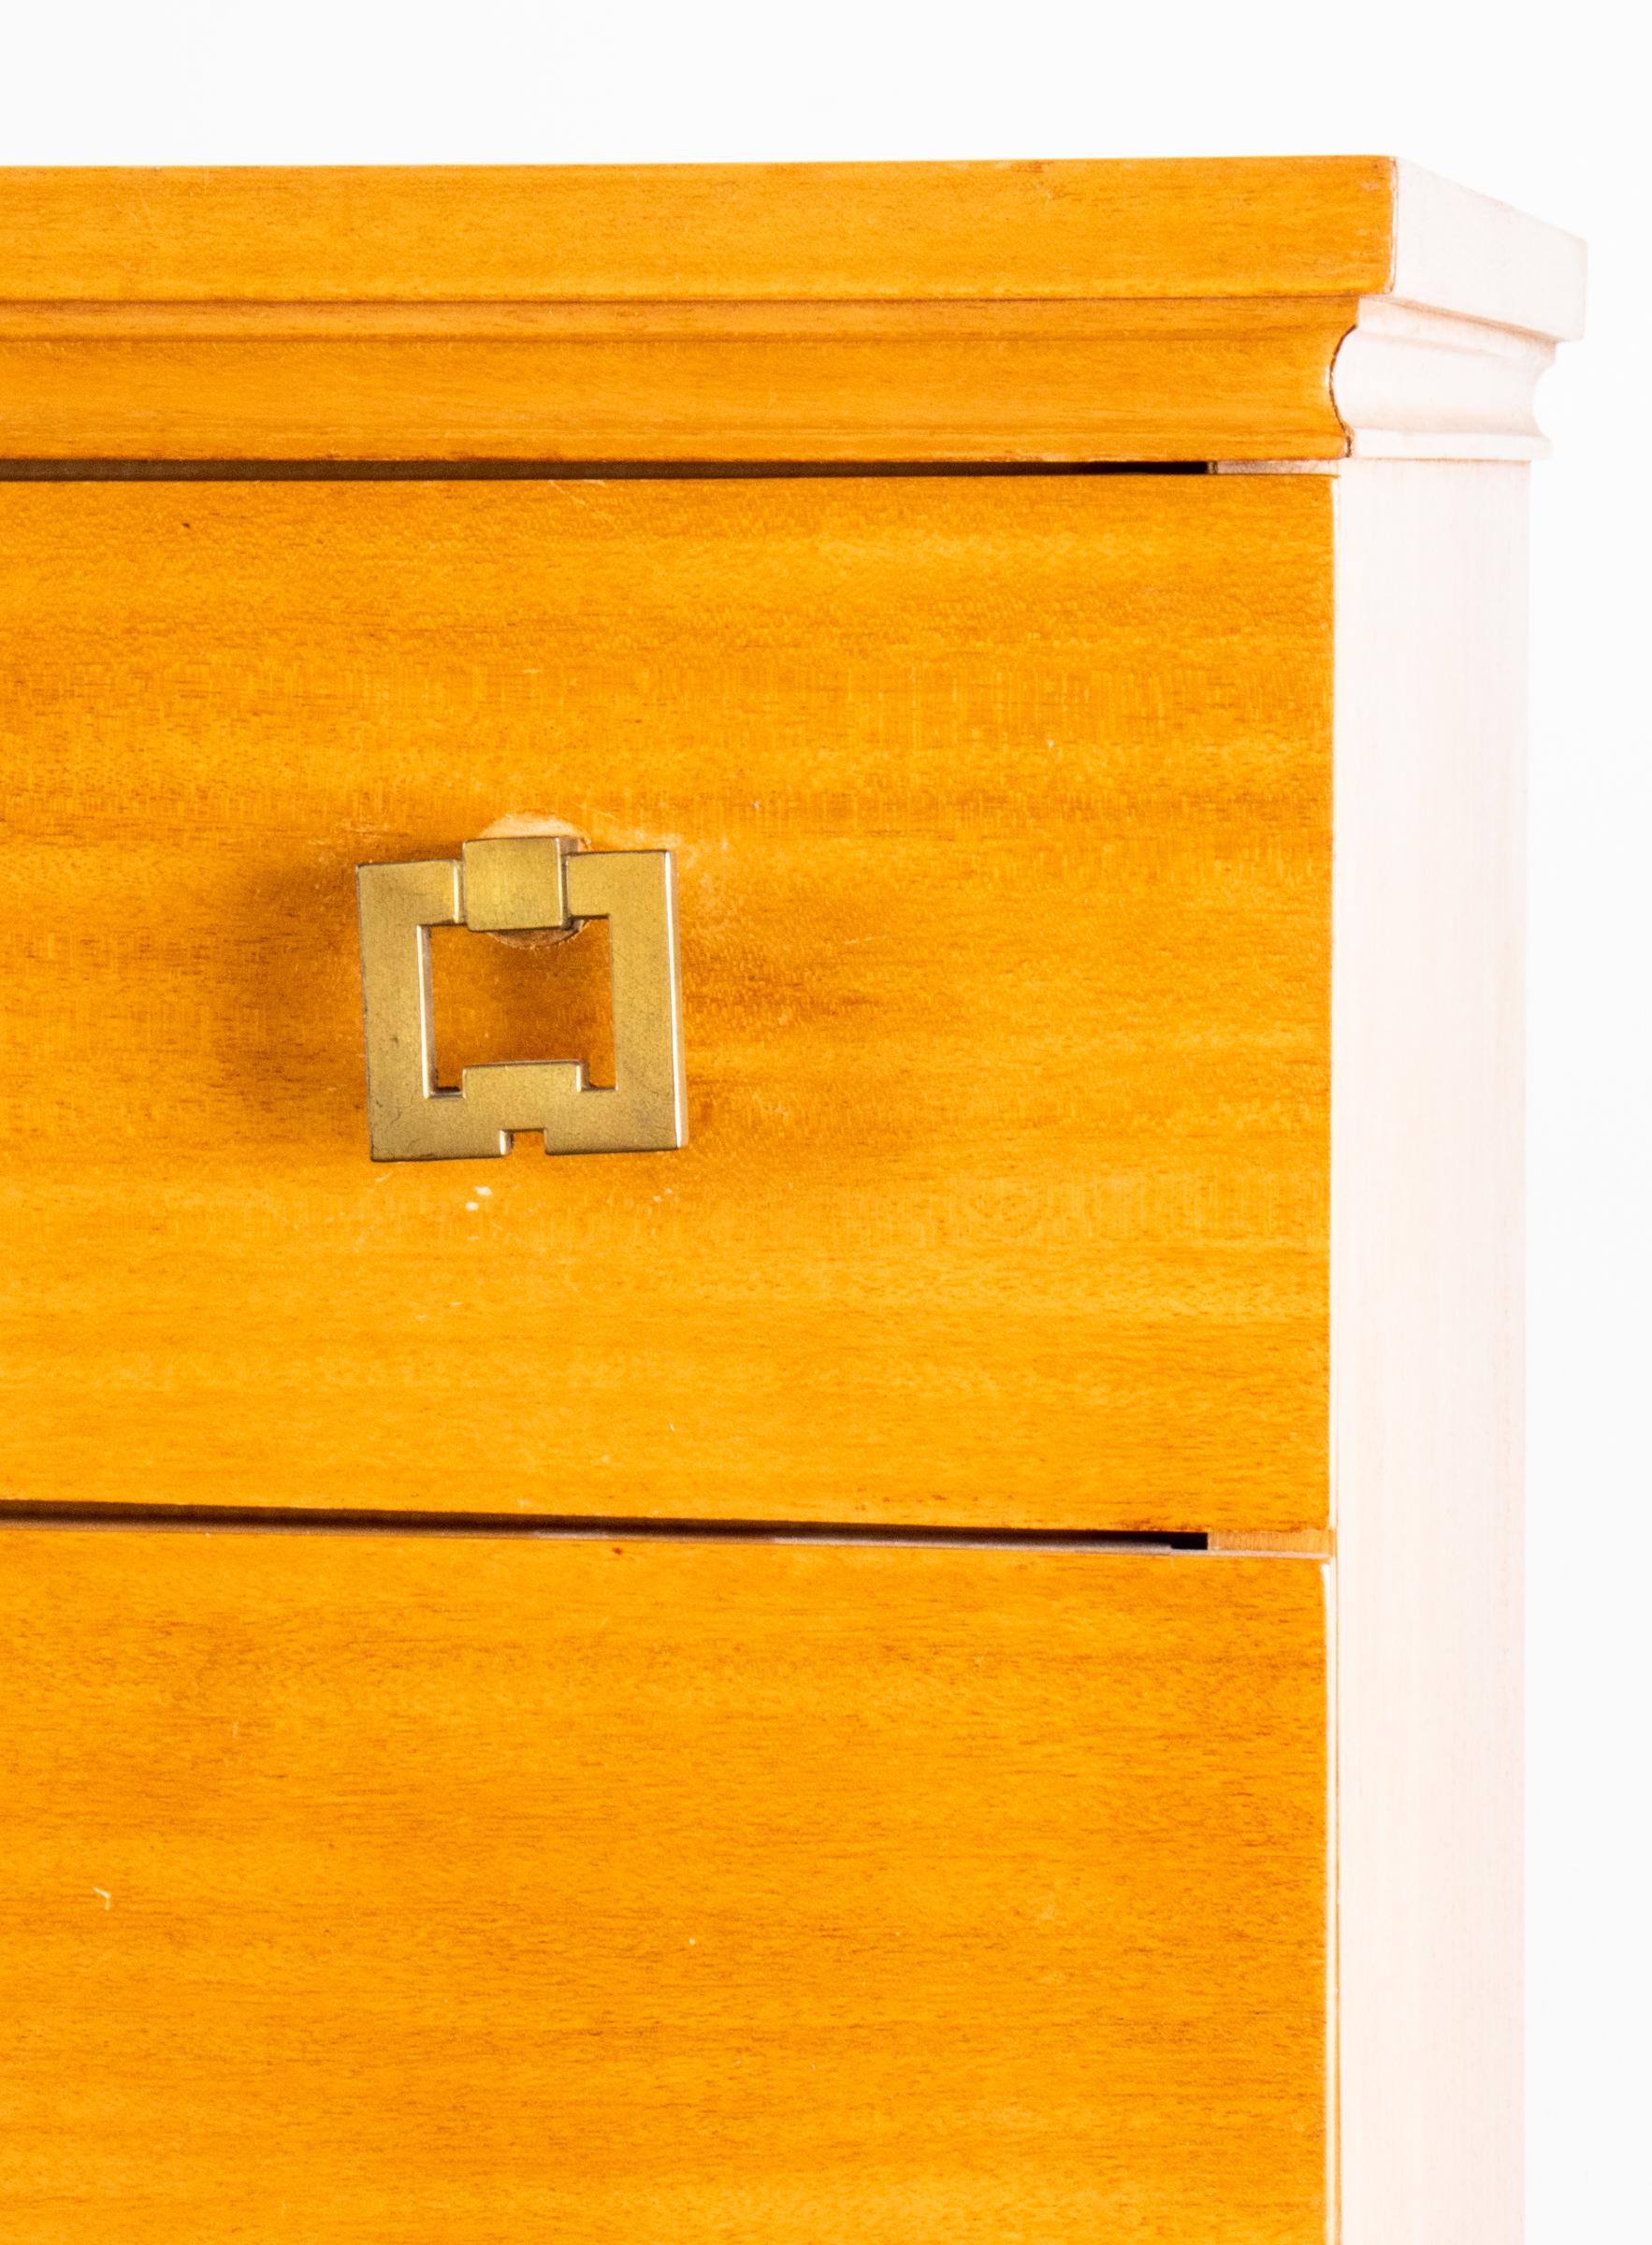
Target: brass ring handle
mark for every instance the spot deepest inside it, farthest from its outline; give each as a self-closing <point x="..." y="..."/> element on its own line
<point x="515" y="884"/>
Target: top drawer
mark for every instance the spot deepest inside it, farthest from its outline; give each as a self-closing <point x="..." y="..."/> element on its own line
<point x="1001" y="813"/>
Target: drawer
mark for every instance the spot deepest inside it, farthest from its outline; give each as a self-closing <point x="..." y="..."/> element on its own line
<point x="632" y="1890"/>
<point x="1001" y="815"/>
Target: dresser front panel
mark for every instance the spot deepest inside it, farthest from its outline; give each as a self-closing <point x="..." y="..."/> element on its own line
<point x="644" y="1893"/>
<point x="1002" y="814"/>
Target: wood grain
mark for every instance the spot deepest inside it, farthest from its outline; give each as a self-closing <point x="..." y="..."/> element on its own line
<point x="1001" y="811"/>
<point x="455" y="1889"/>
<point x="1056" y="381"/>
<point x="1244" y="226"/>
<point x="902" y="311"/>
<point x="992" y="312"/>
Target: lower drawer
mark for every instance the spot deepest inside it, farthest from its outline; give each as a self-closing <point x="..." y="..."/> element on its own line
<point x="361" y="1887"/>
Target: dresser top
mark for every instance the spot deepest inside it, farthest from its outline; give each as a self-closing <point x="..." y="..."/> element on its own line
<point x="1228" y="228"/>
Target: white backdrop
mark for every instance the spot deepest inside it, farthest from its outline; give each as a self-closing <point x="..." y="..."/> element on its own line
<point x="1543" y="108"/>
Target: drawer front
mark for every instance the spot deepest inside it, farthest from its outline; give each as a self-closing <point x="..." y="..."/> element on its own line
<point x="615" y="1892"/>
<point x="1000" y="808"/>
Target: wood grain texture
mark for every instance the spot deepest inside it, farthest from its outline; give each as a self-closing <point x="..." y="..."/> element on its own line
<point x="1063" y="312"/>
<point x="905" y="312"/>
<point x="1058" y="381"/>
<point x="461" y="1889"/>
<point x="1002" y="812"/>
<point x="1247" y="226"/>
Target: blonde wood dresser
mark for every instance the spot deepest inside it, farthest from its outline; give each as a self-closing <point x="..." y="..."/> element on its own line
<point x="915" y="1637"/>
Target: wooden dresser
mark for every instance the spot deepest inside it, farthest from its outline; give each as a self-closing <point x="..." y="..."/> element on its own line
<point x="915" y="1640"/>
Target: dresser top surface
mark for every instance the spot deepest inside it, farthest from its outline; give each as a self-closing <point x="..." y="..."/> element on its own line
<point x="816" y="233"/>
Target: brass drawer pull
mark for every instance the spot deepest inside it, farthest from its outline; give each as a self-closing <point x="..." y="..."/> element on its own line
<point x="517" y="883"/>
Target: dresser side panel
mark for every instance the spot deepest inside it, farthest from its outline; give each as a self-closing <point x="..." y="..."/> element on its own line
<point x="1427" y="1302"/>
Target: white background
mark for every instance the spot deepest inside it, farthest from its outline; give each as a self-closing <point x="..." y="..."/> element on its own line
<point x="1546" y="107"/>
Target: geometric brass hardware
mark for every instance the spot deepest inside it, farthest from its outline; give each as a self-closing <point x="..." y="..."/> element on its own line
<point x="520" y="883"/>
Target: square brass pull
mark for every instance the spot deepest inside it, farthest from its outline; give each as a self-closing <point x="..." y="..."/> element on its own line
<point x="522" y="882"/>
